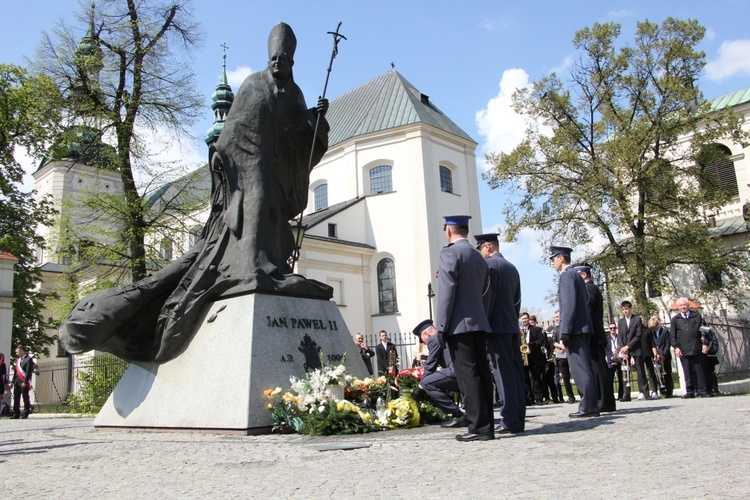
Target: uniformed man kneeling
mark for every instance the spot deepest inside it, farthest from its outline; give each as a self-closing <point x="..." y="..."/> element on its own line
<point x="439" y="377"/>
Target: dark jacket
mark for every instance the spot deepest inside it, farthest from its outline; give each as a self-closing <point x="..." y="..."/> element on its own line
<point x="462" y="280"/>
<point x="437" y="357"/>
<point x="661" y="339"/>
<point x="596" y="310"/>
<point x="503" y="297"/>
<point x="631" y="335"/>
<point x="573" y="299"/>
<point x="382" y="353"/>
<point x="685" y="333"/>
<point x="537" y="340"/>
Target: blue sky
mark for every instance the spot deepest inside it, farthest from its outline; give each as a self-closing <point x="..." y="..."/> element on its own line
<point x="467" y="56"/>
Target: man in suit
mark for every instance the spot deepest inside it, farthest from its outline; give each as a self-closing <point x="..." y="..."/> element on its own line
<point x="535" y="339"/>
<point x="576" y="330"/>
<point x="365" y="352"/>
<point x="503" y="303"/>
<point x="663" y="345"/>
<point x="598" y="339"/>
<point x="383" y="351"/>
<point x="685" y="336"/>
<point x="614" y="364"/>
<point x="24" y="370"/>
<point x="629" y="330"/>
<point x="462" y="322"/>
<point x="438" y="377"/>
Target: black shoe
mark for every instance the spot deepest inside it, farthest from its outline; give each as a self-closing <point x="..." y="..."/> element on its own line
<point x="15" y="416"/>
<point x="501" y="429"/>
<point x="571" y="400"/>
<point x="461" y="421"/>
<point x="688" y="396"/>
<point x="556" y="401"/>
<point x="607" y="410"/>
<point x="470" y="436"/>
<point x="24" y="415"/>
<point x="625" y="400"/>
<point x="539" y="403"/>
<point x="583" y="414"/>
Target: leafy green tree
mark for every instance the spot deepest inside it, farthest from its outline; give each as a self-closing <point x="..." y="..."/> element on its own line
<point x="127" y="76"/>
<point x="29" y="117"/>
<point x="610" y="159"/>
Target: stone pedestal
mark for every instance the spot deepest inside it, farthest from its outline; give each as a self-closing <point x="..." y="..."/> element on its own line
<point x="242" y="346"/>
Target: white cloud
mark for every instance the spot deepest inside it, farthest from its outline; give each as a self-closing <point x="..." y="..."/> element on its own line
<point x="733" y="59"/>
<point x="563" y="67"/>
<point x="236" y="76"/>
<point x="500" y="126"/>
<point x="614" y="14"/>
<point x="710" y="34"/>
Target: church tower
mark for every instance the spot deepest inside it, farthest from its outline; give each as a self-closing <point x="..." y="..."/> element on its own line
<point x="222" y="100"/>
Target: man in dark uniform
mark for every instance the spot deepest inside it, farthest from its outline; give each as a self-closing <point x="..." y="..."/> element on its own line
<point x="438" y="377"/>
<point x="598" y="339"/>
<point x="576" y="330"/>
<point x="687" y="341"/>
<point x="23" y="371"/>
<point x="462" y="322"/>
<point x="503" y="303"/>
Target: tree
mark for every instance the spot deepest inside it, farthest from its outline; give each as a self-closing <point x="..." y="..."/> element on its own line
<point x="29" y="117"/>
<point x="125" y="77"/>
<point x="616" y="163"/>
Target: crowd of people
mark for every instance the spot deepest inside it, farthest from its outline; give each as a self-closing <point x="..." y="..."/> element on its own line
<point x="484" y="349"/>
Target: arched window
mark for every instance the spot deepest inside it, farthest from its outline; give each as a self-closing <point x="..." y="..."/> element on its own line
<point x="718" y="170"/>
<point x="321" y="197"/>
<point x="380" y="179"/>
<point x="387" y="287"/>
<point x="446" y="179"/>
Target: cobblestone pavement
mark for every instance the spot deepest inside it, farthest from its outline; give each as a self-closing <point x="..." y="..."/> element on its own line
<point x="679" y="448"/>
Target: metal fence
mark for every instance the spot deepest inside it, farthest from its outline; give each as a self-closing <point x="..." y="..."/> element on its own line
<point x="734" y="343"/>
<point x="55" y="380"/>
<point x="406" y="345"/>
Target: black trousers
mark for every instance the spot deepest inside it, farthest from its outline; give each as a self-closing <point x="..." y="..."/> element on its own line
<point x="536" y="382"/>
<point x="505" y="355"/>
<point x="579" y="358"/>
<point x="18" y="393"/>
<point x="694" y="368"/>
<point x="653" y="381"/>
<point x="436" y="385"/>
<point x="666" y="373"/>
<point x="612" y="372"/>
<point x="606" y="397"/>
<point x="640" y="370"/>
<point x="469" y="353"/>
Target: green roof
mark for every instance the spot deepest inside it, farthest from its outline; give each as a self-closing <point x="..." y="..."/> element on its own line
<point x="732" y="99"/>
<point x="386" y="102"/>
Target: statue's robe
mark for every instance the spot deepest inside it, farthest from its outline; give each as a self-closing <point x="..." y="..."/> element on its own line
<point x="260" y="171"/>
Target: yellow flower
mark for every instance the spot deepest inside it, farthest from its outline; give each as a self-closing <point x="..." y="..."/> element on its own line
<point x="268" y="393"/>
<point x="276" y="392"/>
<point x="269" y="406"/>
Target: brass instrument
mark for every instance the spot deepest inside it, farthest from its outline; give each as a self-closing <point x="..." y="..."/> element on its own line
<point x="524" y="349"/>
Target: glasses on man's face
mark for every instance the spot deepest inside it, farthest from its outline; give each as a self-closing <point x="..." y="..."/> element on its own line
<point x="612" y="328"/>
